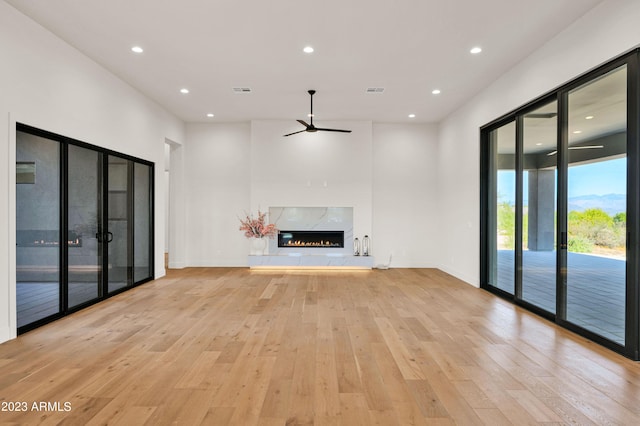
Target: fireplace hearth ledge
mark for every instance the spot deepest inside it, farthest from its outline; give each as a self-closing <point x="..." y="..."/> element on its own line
<point x="310" y="261"/>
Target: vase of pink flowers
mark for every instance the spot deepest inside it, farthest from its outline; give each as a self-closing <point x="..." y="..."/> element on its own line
<point x="258" y="230"/>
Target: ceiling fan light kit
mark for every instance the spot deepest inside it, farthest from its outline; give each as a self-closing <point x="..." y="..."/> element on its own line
<point x="310" y="127"/>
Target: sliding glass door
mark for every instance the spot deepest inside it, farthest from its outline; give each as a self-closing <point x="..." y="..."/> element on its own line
<point x="502" y="207"/>
<point x="597" y="205"/>
<point x="38" y="228"/>
<point x="84" y="220"/>
<point x="119" y="218"/>
<point x="539" y="191"/>
<point x="142" y="225"/>
<point x="560" y="195"/>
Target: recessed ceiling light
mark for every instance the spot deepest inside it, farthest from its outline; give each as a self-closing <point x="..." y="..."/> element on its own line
<point x="539" y="144"/>
<point x="185" y="91"/>
<point x="476" y="50"/>
<point x="589" y="117"/>
<point x="209" y="115"/>
<point x="137" y="49"/>
<point x="308" y="49"/>
<point x="577" y="132"/>
<point x="412" y="116"/>
<point x="436" y="91"/>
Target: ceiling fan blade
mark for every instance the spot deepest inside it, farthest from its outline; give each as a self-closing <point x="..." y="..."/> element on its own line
<point x="310" y="127"/>
<point x="333" y="130"/>
<point x="300" y="131"/>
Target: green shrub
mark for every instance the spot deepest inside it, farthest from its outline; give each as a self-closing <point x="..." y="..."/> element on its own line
<point x="595" y="226"/>
<point x="506" y="219"/>
<point x="579" y="244"/>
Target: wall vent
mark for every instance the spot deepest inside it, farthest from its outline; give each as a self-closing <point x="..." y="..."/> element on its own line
<point x="241" y="90"/>
<point x="375" y="90"/>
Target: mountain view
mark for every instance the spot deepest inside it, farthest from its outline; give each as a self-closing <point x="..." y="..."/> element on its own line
<point x="610" y="203"/>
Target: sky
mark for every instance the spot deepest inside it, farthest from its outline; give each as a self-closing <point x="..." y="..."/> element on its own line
<point x="606" y="177"/>
<point x="602" y="178"/>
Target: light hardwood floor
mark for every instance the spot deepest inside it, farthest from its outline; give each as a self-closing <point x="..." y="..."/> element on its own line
<point x="231" y="346"/>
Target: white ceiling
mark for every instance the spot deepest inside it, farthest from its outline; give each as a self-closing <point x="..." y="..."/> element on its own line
<point x="409" y="47"/>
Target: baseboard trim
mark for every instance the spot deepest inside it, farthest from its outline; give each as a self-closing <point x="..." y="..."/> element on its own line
<point x="6" y="334"/>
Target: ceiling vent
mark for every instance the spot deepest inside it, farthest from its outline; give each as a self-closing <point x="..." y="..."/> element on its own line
<point x="240" y="90"/>
<point x="375" y="90"/>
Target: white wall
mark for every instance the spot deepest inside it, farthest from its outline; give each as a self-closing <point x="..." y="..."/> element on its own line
<point x="385" y="172"/>
<point x="217" y="192"/>
<point x="405" y="189"/>
<point x="603" y="33"/>
<point x="47" y="84"/>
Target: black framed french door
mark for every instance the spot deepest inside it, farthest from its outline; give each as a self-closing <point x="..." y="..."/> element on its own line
<point x="560" y="194"/>
<point x="84" y="225"/>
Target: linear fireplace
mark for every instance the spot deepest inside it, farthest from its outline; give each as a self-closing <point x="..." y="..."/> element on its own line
<point x="319" y="239"/>
<point x="312" y="231"/>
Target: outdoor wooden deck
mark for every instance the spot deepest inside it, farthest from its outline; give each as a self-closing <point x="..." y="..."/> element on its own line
<point x="595" y="288"/>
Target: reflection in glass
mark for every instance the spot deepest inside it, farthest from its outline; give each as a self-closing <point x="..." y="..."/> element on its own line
<point x="502" y="195"/>
<point x="85" y="258"/>
<point x="37" y="229"/>
<point x="539" y="207"/>
<point x="597" y="191"/>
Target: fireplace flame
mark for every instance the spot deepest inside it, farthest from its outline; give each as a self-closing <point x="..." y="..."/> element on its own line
<point x="311" y="238"/>
<point x="321" y="243"/>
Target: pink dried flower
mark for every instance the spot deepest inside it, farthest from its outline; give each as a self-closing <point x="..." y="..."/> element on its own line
<point x="257" y="228"/>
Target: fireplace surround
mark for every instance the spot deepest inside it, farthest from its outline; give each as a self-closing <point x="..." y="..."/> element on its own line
<point x="311" y="238"/>
<point x="316" y="224"/>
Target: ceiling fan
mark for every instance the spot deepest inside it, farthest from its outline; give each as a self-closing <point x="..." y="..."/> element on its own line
<point x="310" y="127"/>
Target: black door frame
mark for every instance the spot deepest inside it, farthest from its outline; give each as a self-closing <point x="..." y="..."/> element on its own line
<point x="631" y="348"/>
<point x="103" y="223"/>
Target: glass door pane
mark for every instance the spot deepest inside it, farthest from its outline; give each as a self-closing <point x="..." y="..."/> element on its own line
<point x="502" y="202"/>
<point x="118" y="221"/>
<point x="142" y="222"/>
<point x="539" y="183"/>
<point x="38" y="274"/>
<point x="84" y="215"/>
<point x="597" y="194"/>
